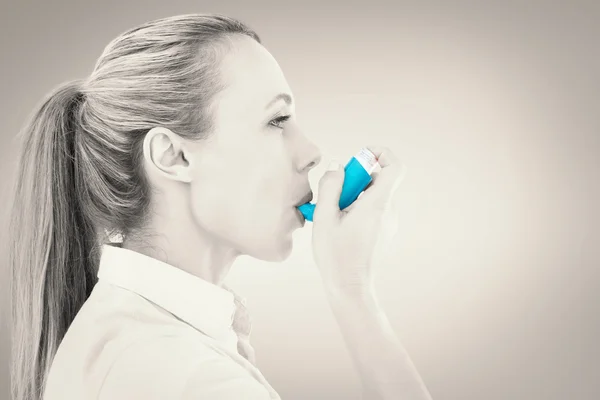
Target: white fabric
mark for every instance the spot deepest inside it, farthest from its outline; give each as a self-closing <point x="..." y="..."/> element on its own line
<point x="152" y="331"/>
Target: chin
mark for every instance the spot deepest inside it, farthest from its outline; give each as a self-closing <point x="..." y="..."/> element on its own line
<point x="277" y="251"/>
<point x="272" y="242"/>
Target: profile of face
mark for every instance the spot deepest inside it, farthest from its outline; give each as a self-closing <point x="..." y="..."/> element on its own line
<point x="246" y="180"/>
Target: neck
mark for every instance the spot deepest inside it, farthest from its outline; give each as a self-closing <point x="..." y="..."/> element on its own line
<point x="186" y="246"/>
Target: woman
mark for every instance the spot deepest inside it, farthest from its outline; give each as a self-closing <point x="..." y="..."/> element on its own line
<point x="183" y="140"/>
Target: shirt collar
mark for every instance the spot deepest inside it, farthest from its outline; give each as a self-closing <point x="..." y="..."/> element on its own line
<point x="202" y="304"/>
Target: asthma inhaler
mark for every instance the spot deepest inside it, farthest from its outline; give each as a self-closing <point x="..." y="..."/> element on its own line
<point x="357" y="177"/>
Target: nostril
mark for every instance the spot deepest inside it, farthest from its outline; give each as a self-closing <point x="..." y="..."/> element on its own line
<point x="315" y="162"/>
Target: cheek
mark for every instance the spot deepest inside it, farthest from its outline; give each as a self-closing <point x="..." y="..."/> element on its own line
<point x="235" y="209"/>
<point x="212" y="201"/>
<point x="248" y="207"/>
<point x="256" y="225"/>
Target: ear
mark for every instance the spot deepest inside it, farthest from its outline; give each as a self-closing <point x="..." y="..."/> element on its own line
<point x="164" y="155"/>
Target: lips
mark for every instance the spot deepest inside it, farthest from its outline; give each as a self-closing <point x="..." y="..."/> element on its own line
<point x="305" y="199"/>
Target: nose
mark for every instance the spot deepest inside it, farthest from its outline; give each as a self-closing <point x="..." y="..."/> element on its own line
<point x="312" y="157"/>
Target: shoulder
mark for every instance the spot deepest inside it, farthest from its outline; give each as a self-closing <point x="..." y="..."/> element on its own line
<point x="221" y="378"/>
<point x="174" y="367"/>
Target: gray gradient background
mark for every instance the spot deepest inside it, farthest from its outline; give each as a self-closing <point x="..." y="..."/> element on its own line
<point x="492" y="284"/>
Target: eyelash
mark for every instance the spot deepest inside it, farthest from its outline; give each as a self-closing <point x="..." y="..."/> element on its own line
<point x="280" y="120"/>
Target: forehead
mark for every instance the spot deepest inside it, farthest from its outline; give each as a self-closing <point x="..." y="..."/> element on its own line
<point x="250" y="73"/>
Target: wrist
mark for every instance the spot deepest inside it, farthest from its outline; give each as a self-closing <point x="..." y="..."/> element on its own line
<point x="355" y="293"/>
<point x="352" y="307"/>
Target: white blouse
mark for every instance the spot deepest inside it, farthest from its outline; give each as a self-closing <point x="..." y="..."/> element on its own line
<point x="151" y="331"/>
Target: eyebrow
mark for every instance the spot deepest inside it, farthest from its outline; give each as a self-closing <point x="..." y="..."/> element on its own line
<point x="281" y="96"/>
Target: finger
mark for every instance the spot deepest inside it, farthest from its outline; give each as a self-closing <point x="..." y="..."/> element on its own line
<point x="330" y="188"/>
<point x="388" y="160"/>
<point x="386" y="182"/>
<point x="382" y="191"/>
<point x="385" y="156"/>
<point x="374" y="176"/>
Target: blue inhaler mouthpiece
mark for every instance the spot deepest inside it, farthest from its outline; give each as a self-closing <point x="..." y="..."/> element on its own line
<point x="307" y="209"/>
<point x="357" y="175"/>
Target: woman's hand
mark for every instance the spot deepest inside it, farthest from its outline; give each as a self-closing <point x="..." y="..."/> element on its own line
<point x="346" y="243"/>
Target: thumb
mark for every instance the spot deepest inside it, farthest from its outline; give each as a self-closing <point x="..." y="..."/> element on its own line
<point x="330" y="189"/>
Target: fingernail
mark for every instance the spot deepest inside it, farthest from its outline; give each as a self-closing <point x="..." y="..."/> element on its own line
<point x="333" y="166"/>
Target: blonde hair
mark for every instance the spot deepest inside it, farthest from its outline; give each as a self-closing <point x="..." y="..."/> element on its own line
<point x="80" y="175"/>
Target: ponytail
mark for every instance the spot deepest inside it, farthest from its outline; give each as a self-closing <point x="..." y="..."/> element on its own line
<point x="53" y="251"/>
<point x="81" y="176"/>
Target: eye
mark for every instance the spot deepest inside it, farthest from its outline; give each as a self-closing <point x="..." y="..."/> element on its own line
<point x="279" y="120"/>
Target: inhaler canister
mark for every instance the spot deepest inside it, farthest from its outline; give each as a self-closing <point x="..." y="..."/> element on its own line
<point x="357" y="175"/>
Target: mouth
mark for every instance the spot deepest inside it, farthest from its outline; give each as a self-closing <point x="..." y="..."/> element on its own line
<point x="300" y="217"/>
<point x="305" y="199"/>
